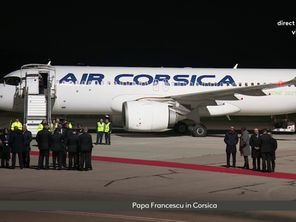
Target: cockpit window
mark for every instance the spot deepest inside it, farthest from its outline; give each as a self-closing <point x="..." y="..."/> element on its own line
<point x="13" y="80"/>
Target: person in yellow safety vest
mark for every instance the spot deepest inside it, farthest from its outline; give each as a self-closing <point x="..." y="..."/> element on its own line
<point x="51" y="127"/>
<point x="100" y="131"/>
<point x="16" y="124"/>
<point x="107" y="132"/>
<point x="41" y="126"/>
<point x="69" y="125"/>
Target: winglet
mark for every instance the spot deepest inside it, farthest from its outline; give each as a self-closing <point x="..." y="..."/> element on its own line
<point x="235" y="67"/>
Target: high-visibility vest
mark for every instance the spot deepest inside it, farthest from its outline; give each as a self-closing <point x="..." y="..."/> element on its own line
<point x="40" y="127"/>
<point x="100" y="127"/>
<point x="70" y="125"/>
<point x="51" y="127"/>
<point x="107" y="127"/>
<point x="17" y="124"/>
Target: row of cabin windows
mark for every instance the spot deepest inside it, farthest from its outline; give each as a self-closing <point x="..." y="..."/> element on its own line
<point x="175" y="84"/>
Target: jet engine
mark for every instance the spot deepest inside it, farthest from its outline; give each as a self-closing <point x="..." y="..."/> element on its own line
<point x="148" y="116"/>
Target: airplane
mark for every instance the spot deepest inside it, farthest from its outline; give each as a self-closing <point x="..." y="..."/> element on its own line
<point x="148" y="99"/>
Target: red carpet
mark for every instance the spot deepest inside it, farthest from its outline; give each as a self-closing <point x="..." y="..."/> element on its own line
<point x="278" y="175"/>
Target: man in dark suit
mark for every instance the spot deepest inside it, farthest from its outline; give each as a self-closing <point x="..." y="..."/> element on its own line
<point x="17" y="147"/>
<point x="273" y="156"/>
<point x="231" y="140"/>
<point x="85" y="146"/>
<point x="256" y="151"/>
<point x="26" y="152"/>
<point x="57" y="146"/>
<point x="72" y="148"/>
<point x="43" y="140"/>
<point x="266" y="145"/>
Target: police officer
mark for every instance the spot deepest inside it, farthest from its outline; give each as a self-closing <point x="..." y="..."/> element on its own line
<point x="273" y="156"/>
<point x="72" y="148"/>
<point x="26" y="152"/>
<point x="107" y="131"/>
<point x="231" y="140"/>
<point x="85" y="146"/>
<point x="16" y="140"/>
<point x="43" y="139"/>
<point x="100" y="131"/>
<point x="266" y="144"/>
<point x="57" y="146"/>
<point x="16" y="125"/>
<point x="256" y="151"/>
<point x="5" y="148"/>
<point x="244" y="146"/>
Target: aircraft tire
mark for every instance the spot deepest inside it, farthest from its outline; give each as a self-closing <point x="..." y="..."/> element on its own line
<point x="199" y="130"/>
<point x="181" y="128"/>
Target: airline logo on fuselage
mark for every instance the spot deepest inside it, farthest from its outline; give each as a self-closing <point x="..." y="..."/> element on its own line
<point x="146" y="79"/>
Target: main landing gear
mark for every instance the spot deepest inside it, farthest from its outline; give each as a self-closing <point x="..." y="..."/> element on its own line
<point x="196" y="130"/>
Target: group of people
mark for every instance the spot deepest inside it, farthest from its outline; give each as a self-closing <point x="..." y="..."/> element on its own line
<point x="77" y="144"/>
<point x="258" y="146"/>
<point x="58" y="137"/>
<point x="15" y="142"/>
<point x="104" y="128"/>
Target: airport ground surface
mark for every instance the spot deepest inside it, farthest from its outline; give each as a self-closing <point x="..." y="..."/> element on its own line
<point x="118" y="179"/>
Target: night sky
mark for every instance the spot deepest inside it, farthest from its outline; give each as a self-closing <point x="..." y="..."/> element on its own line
<point x="146" y="33"/>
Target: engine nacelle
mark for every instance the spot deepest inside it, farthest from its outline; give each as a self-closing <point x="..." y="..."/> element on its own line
<point x="148" y="116"/>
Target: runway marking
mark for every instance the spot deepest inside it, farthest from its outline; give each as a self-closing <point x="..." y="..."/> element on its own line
<point x="190" y="166"/>
<point x="116" y="216"/>
<point x="239" y="187"/>
<point x="161" y="175"/>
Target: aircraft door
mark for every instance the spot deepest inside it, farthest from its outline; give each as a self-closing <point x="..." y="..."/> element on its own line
<point x="43" y="82"/>
<point x="32" y="80"/>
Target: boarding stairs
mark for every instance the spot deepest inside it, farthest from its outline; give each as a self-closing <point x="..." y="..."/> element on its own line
<point x="38" y="94"/>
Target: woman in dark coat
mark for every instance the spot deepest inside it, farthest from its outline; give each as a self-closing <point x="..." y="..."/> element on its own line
<point x="5" y="149"/>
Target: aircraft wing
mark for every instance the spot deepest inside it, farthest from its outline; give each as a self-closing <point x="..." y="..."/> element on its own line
<point x="228" y="93"/>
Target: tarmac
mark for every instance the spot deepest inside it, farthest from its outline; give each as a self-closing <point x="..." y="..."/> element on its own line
<point x="137" y="170"/>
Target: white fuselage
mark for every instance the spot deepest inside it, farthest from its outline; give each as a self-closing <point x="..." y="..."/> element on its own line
<point x="100" y="90"/>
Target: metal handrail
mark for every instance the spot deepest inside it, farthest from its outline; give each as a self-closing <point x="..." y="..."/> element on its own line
<point x="25" y="104"/>
<point x="49" y="101"/>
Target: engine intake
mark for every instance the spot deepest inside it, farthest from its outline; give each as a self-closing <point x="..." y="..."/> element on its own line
<point x="148" y="116"/>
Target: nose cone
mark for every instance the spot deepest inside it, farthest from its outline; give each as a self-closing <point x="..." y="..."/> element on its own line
<point x="7" y="93"/>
